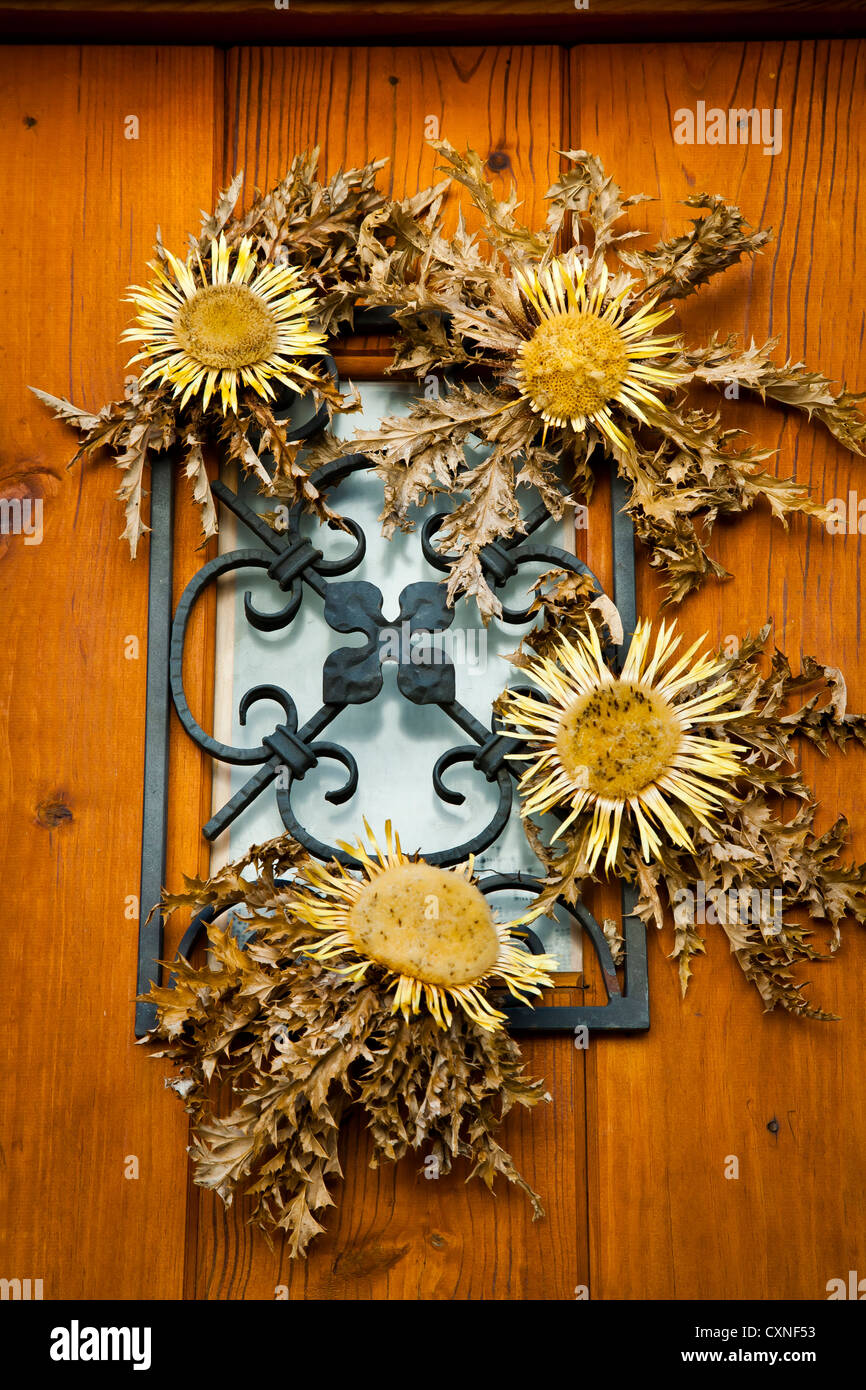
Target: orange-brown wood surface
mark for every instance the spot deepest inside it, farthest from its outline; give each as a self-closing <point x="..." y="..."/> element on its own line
<point x="665" y="1111"/>
<point x="80" y="1099"/>
<point x="631" y="1155"/>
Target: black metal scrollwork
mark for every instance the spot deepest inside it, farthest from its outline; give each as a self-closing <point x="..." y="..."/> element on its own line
<point x="353" y="675"/>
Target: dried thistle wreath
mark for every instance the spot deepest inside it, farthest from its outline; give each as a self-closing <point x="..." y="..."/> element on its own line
<point x="565" y="344"/>
<point x="349" y="993"/>
<point x="343" y="993"/>
<point x="677" y="768"/>
<point x="244" y="316"/>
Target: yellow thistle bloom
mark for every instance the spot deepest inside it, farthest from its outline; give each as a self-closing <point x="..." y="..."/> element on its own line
<point x="587" y="355"/>
<point x="428" y="928"/>
<point x="203" y="333"/>
<point x="617" y="745"/>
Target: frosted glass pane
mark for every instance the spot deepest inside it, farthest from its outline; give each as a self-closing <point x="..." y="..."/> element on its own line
<point x="395" y="743"/>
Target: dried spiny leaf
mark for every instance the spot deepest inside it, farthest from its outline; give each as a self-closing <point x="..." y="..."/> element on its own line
<point x="299" y="1046"/>
<point x="755" y="876"/>
<point x="462" y="305"/>
<point x="790" y="383"/>
<point x="676" y="268"/>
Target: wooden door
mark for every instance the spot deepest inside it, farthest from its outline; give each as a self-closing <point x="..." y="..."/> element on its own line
<point x="632" y="1155"/>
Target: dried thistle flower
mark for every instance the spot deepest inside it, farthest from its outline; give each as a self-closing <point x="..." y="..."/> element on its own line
<point x="583" y="355"/>
<point x="231" y="319"/>
<point x="548" y="341"/>
<point x="430" y="928"/>
<point x="625" y="744"/>
<point x="301" y="1044"/>
<point x="206" y="333"/>
<point x="766" y="879"/>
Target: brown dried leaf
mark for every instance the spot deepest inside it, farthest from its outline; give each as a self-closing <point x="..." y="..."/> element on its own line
<point x="674" y="269"/>
<point x="299" y="1046"/>
<point x="761" y="874"/>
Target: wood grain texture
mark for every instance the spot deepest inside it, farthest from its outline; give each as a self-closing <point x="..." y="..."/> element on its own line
<point x="360" y="104"/>
<point x="395" y="1234"/>
<point x="714" y="1076"/>
<point x="451" y="21"/>
<point x="630" y="1157"/>
<point x="81" y="207"/>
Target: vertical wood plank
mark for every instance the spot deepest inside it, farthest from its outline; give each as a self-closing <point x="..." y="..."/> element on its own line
<point x="716" y="1077"/>
<point x="394" y="1234"/>
<point x="358" y="104"/>
<point x="82" y="206"/>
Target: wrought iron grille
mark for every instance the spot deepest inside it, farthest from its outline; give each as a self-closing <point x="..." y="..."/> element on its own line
<point x="353" y="675"/>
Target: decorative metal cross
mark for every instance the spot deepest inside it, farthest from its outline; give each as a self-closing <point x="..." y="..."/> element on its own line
<point x="354" y="674"/>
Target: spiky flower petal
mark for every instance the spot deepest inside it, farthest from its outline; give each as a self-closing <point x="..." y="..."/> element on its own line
<point x="232" y="327"/>
<point x="429" y="929"/>
<point x="622" y="746"/>
<point x="588" y="353"/>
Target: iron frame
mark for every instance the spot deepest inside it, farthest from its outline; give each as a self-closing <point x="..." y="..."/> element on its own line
<point x="353" y="675"/>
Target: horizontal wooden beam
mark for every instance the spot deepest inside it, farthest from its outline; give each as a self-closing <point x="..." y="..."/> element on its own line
<point x="230" y="23"/>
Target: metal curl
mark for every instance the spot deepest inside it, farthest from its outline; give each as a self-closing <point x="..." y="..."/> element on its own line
<point x="447" y="858"/>
<point x="443" y="762"/>
<point x="270" y="692"/>
<point x="271" y="622"/>
<point x="318" y="848"/>
<point x="350" y="561"/>
<point x="548" y="554"/>
<point x="433" y="556"/>
<point x="222" y="564"/>
<point x="329" y="474"/>
<point x="340" y="755"/>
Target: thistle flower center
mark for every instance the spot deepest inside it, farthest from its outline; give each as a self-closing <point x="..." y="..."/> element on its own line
<point x="617" y="740"/>
<point x="573" y="365"/>
<point x="226" y="326"/>
<point x="426" y="923"/>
